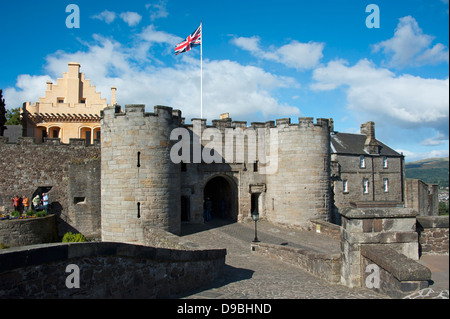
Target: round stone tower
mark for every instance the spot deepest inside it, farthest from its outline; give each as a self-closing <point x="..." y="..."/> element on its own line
<point x="300" y="189"/>
<point x="139" y="180"/>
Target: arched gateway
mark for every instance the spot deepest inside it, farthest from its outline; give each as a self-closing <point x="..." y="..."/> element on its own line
<point x="222" y="192"/>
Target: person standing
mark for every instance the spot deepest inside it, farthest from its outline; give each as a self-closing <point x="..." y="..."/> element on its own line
<point x="36" y="201"/>
<point x="208" y="208"/>
<point x="16" y="201"/>
<point x="26" y="203"/>
<point x="45" y="201"/>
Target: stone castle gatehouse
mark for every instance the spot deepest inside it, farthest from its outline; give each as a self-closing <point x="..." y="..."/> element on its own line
<point x="143" y="187"/>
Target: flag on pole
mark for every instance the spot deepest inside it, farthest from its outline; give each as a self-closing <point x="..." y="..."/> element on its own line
<point x="193" y="40"/>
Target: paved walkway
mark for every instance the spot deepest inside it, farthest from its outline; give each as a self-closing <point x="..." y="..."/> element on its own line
<point x="250" y="276"/>
<point x="438" y="264"/>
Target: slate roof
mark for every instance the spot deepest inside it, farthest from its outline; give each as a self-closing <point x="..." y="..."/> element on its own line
<point x="347" y="143"/>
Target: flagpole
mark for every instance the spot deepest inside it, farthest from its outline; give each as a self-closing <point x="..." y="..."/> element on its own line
<point x="201" y="73"/>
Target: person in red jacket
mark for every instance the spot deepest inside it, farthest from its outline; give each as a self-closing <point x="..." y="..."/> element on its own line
<point x="16" y="202"/>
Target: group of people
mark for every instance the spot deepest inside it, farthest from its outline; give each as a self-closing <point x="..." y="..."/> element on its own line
<point x="22" y="204"/>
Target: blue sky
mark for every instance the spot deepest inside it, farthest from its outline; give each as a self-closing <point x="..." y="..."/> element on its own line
<point x="262" y="60"/>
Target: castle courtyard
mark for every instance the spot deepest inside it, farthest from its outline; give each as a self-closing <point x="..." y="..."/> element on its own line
<point x="251" y="276"/>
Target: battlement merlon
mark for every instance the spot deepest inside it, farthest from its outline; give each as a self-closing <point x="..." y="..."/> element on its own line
<point x="165" y="113"/>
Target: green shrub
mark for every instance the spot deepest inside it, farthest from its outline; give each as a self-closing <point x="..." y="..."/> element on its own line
<point x="15" y="214"/>
<point x="3" y="246"/>
<point x="73" y="238"/>
<point x="41" y="213"/>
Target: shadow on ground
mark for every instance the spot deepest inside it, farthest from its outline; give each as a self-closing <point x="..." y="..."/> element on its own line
<point x="230" y="275"/>
<point x="189" y="228"/>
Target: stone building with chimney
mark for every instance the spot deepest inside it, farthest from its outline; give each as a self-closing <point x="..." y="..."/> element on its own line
<point x="364" y="171"/>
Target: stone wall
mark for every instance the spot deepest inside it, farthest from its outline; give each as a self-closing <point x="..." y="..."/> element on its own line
<point x="433" y="234"/>
<point x="106" y="270"/>
<point x="30" y="231"/>
<point x="26" y="166"/>
<point x="394" y="228"/>
<point x="422" y="197"/>
<point x="84" y="197"/>
<point x="327" y="229"/>
<point x="322" y="265"/>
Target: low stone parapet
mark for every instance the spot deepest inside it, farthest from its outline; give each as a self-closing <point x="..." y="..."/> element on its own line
<point x="327" y="229"/>
<point x="396" y="275"/>
<point x="325" y="266"/>
<point x="105" y="270"/>
<point x="29" y="231"/>
<point x="433" y="234"/>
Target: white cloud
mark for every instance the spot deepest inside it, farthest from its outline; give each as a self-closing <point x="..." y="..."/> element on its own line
<point x="301" y="56"/>
<point x="150" y="34"/>
<point x="439" y="139"/>
<point x="415" y="156"/>
<point x="228" y="86"/>
<point x="106" y="16"/>
<point x="411" y="47"/>
<point x="405" y="100"/>
<point x="28" y="88"/>
<point x="158" y="10"/>
<point x="131" y="18"/>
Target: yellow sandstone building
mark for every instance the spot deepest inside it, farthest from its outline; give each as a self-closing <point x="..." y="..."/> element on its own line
<point x="70" y="109"/>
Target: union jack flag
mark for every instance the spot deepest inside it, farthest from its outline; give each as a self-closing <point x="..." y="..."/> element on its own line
<point x="193" y="40"/>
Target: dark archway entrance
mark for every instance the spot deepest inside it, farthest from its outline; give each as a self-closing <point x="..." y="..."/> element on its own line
<point x="223" y="196"/>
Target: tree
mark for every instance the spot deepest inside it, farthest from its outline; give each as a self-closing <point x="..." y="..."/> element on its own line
<point x="443" y="208"/>
<point x="2" y="113"/>
<point x="13" y="117"/>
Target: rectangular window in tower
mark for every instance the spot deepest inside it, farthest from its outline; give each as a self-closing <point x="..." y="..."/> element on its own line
<point x="385" y="162"/>
<point x="386" y="185"/>
<point x="362" y="161"/>
<point x="365" y="186"/>
<point x="138" y="159"/>
<point x="345" y="186"/>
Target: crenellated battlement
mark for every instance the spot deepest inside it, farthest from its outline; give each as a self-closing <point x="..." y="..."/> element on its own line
<point x="163" y="114"/>
<point x="28" y="141"/>
<point x="303" y="122"/>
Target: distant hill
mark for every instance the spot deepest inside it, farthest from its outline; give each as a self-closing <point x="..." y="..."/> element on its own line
<point x="430" y="170"/>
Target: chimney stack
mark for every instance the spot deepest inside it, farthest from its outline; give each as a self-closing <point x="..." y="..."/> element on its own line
<point x="113" y="96"/>
<point x="371" y="144"/>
